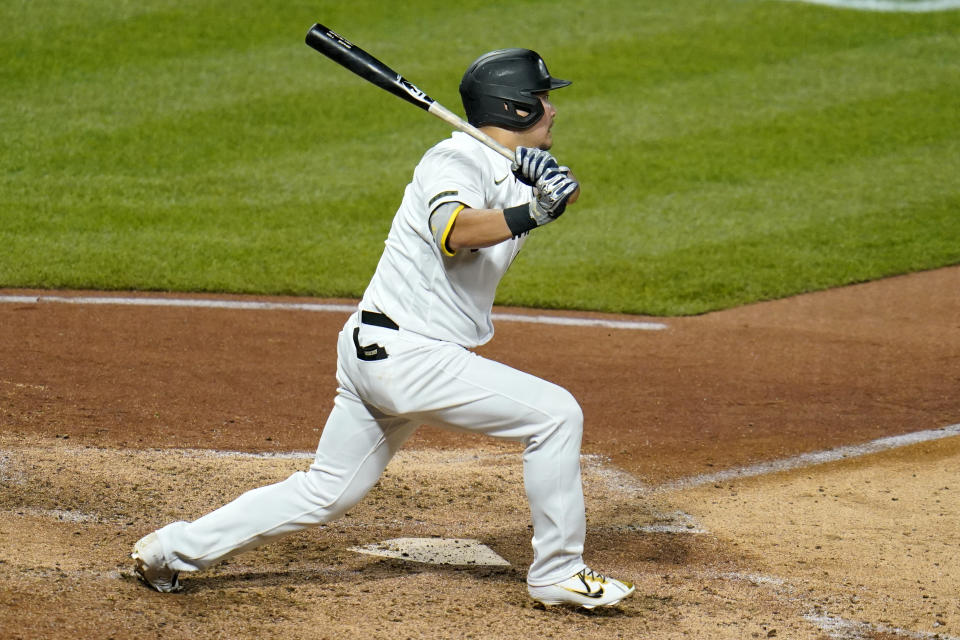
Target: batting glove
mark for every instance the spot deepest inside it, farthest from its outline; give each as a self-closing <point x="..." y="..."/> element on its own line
<point x="530" y="164"/>
<point x="552" y="191"/>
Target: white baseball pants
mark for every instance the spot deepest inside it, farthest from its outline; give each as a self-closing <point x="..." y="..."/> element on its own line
<point x="379" y="404"/>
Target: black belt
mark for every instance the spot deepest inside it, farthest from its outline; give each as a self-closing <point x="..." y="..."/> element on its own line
<point x="373" y="351"/>
<point x="378" y="320"/>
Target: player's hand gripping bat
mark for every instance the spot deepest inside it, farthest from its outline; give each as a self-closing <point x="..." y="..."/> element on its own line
<point x="349" y="55"/>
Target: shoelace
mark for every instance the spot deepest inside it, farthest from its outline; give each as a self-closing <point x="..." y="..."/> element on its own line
<point x="590" y="573"/>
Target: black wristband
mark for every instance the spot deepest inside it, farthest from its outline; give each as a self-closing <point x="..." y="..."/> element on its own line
<point x="519" y="219"/>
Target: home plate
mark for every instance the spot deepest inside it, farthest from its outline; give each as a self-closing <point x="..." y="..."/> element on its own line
<point x="457" y="551"/>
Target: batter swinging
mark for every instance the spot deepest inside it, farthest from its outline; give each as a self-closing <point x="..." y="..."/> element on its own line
<point x="404" y="358"/>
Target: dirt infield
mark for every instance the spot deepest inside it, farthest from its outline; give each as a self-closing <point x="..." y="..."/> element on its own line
<point x="111" y="418"/>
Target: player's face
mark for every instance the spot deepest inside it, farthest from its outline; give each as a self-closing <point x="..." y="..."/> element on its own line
<point x="539" y="134"/>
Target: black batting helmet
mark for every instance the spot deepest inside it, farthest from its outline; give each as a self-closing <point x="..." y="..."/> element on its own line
<point x="500" y="83"/>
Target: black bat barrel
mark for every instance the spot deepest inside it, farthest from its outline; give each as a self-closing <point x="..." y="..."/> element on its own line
<point x="345" y="53"/>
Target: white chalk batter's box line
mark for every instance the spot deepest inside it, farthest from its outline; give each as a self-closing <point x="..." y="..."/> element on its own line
<point x="842" y="629"/>
<point x="811" y="459"/>
<point x="835" y="627"/>
<point x="622" y="481"/>
<point x="318" y="307"/>
<point x="619" y="480"/>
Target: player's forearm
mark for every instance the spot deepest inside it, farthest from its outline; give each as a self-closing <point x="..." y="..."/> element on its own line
<point x="476" y="228"/>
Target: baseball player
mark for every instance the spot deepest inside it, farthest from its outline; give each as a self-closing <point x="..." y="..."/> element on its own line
<point x="404" y="359"/>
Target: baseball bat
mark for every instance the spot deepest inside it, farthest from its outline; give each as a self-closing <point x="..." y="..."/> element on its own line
<point x="349" y="55"/>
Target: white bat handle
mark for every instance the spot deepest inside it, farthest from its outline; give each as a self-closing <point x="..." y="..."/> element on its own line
<point x="457" y="122"/>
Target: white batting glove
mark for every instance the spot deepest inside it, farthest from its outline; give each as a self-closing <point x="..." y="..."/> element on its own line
<point x="552" y="191"/>
<point x="530" y="164"/>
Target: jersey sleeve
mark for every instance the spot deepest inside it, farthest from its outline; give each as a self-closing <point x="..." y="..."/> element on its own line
<point x="452" y="176"/>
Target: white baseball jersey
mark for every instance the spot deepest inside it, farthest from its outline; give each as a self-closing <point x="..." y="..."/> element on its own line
<point x="419" y="284"/>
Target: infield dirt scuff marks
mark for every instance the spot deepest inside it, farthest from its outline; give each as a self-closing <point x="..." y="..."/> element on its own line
<point x="73" y="574"/>
<point x="872" y="542"/>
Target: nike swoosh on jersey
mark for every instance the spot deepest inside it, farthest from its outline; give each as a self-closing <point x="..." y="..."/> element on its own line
<point x="495" y="181"/>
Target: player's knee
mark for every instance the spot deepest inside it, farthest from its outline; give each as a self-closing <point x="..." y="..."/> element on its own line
<point x="565" y="406"/>
<point x="330" y="499"/>
<point x="573" y="413"/>
<point x="568" y="415"/>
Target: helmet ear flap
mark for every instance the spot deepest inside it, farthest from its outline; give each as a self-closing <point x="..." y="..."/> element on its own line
<point x="504" y="112"/>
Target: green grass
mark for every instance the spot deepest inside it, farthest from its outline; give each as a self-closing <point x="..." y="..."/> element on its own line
<point x="729" y="151"/>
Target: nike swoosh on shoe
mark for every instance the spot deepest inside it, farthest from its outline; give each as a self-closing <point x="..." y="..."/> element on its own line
<point x="587" y="594"/>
